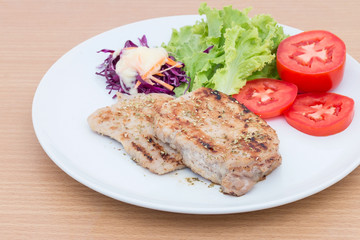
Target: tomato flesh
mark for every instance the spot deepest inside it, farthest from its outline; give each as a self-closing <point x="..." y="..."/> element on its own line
<point x="320" y="114"/>
<point x="267" y="97"/>
<point x="313" y="60"/>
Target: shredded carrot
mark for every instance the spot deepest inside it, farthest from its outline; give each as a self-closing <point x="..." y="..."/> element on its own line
<point x="160" y="74"/>
<point x="173" y="63"/>
<point x="149" y="82"/>
<point x="167" y="69"/>
<point x="168" y="86"/>
<point x="129" y="48"/>
<point x="137" y="84"/>
<point x="158" y="64"/>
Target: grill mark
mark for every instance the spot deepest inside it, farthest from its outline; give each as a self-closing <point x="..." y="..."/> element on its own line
<point x="245" y="109"/>
<point x="270" y="160"/>
<point x="263" y="146"/>
<point x="253" y="147"/>
<point x="232" y="99"/>
<point x="205" y="91"/>
<point x="142" y="150"/>
<point x="206" y="145"/>
<point x="252" y="143"/>
<point x="217" y="94"/>
<point x="164" y="155"/>
<point x="247" y="144"/>
<point x="244" y="112"/>
<point x="157" y="146"/>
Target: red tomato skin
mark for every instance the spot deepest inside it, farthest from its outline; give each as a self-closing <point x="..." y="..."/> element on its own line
<point x="307" y="81"/>
<point x="322" y="129"/>
<point x="319" y="82"/>
<point x="288" y="89"/>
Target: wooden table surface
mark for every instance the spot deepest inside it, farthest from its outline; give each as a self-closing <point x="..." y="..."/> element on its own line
<point x="39" y="201"/>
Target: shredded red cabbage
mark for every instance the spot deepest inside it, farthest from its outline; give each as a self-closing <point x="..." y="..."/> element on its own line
<point x="208" y="49"/>
<point x="174" y="76"/>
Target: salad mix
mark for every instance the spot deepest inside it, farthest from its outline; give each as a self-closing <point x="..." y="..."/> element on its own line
<point x="243" y="48"/>
<point x="221" y="52"/>
<point x="168" y="75"/>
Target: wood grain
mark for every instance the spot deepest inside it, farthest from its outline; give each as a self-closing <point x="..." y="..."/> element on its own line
<point x="39" y="201"/>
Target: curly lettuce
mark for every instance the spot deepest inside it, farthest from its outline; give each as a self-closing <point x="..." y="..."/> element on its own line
<point x="242" y="49"/>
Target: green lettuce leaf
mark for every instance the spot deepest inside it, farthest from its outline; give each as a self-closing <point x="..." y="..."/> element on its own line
<point x="244" y="54"/>
<point x="243" y="49"/>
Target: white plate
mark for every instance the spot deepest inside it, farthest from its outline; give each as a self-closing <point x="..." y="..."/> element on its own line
<point x="70" y="91"/>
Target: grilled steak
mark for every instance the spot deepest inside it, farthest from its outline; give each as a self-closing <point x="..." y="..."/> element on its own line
<point x="219" y="139"/>
<point x="130" y="121"/>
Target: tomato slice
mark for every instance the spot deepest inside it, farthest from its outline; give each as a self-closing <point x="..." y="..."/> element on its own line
<point x="267" y="97"/>
<point x="320" y="114"/>
<point x="313" y="60"/>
